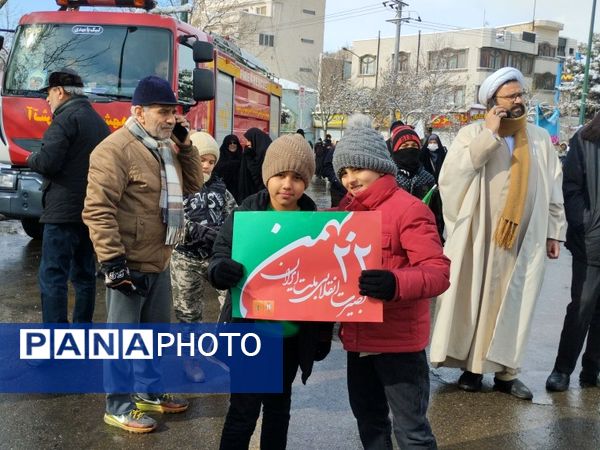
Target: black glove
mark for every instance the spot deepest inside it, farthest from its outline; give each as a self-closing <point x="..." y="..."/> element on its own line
<point x="208" y="237"/>
<point x="117" y="276"/>
<point x="380" y="284"/>
<point x="227" y="273"/>
<point x="199" y="233"/>
<point x="323" y="348"/>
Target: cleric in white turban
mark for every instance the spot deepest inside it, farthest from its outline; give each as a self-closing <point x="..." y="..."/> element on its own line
<point x="503" y="210"/>
<point x="491" y="84"/>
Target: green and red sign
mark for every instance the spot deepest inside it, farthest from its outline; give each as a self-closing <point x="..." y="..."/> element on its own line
<point x="305" y="265"/>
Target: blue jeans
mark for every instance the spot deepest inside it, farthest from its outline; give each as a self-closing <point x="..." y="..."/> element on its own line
<point x="396" y="381"/>
<point x="67" y="254"/>
<point x="154" y="306"/>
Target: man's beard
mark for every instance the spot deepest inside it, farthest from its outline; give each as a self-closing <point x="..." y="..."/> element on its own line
<point x="516" y="111"/>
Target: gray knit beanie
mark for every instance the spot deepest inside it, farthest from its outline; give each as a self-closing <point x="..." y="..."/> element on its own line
<point x="362" y="147"/>
<point x="290" y="152"/>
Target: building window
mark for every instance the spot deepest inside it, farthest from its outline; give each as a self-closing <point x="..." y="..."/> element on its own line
<point x="493" y="58"/>
<point x="544" y="81"/>
<point x="458" y="96"/>
<point x="403" y="58"/>
<point x="307" y="41"/>
<point x="571" y="51"/>
<point x="448" y="59"/>
<point x="309" y="11"/>
<point x="306" y="69"/>
<point x="367" y="65"/>
<point x="521" y="61"/>
<point x="347" y="70"/>
<point x="261" y="10"/>
<point x="545" y="49"/>
<point x="266" y="39"/>
<point x="562" y="45"/>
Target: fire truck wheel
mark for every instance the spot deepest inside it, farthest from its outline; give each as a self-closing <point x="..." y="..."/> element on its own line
<point x="33" y="228"/>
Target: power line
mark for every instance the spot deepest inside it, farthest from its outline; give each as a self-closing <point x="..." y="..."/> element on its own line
<point x="342" y="15"/>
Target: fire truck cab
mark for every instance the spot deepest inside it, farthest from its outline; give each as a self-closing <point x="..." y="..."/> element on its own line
<point x="112" y="50"/>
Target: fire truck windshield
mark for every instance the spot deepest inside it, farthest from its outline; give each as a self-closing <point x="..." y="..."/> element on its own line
<point x="110" y="59"/>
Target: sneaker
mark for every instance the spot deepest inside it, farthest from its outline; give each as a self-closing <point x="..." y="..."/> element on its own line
<point x="165" y="403"/>
<point x="135" y="421"/>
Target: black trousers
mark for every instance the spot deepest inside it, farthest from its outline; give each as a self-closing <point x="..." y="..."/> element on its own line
<point x="582" y="318"/>
<point x="396" y="381"/>
<point x="244" y="410"/>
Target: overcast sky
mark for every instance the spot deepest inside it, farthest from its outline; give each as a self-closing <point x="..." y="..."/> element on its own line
<point x="348" y="20"/>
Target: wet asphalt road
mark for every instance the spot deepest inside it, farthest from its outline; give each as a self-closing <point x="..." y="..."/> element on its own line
<point x="321" y="418"/>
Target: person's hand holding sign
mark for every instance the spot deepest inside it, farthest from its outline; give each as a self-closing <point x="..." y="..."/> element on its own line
<point x="379" y="284"/>
<point x="227" y="273"/>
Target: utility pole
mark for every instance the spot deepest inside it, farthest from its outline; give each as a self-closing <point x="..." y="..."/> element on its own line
<point x="377" y="59"/>
<point x="418" y="51"/>
<point x="396" y="5"/>
<point x="586" y="73"/>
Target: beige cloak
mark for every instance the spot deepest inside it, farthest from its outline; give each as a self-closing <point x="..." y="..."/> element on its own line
<point x="483" y="320"/>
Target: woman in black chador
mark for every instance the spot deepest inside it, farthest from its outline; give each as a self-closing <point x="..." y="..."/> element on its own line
<point x="252" y="161"/>
<point x="228" y="167"/>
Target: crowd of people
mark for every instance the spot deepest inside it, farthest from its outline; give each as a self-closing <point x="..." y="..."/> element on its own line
<point x="472" y="225"/>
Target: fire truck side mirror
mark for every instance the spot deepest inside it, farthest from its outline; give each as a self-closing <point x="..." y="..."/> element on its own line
<point x="203" y="51"/>
<point x="204" y="85"/>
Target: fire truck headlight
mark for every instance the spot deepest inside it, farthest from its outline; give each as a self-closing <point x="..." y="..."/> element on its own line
<point x="8" y="180"/>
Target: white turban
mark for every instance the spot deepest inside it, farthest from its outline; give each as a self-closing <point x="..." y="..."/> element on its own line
<point x="492" y="83"/>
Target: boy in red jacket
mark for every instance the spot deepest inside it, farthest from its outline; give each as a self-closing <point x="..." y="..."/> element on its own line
<point x="387" y="365"/>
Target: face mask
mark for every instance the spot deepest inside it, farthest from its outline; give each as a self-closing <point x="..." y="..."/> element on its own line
<point x="432" y="147"/>
<point x="407" y="159"/>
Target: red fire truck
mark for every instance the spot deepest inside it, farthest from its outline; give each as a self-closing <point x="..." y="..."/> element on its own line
<point x="221" y="89"/>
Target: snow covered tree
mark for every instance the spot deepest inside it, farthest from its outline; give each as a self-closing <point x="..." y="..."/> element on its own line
<point x="224" y="17"/>
<point x="416" y="95"/>
<point x="572" y="82"/>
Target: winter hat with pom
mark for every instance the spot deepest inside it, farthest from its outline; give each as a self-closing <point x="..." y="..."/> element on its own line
<point x="292" y="153"/>
<point x="362" y="147"/>
<point x="205" y="144"/>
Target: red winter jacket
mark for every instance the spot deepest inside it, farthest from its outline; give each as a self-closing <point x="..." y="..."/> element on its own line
<point x="413" y="252"/>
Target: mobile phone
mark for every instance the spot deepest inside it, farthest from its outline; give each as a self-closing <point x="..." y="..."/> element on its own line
<point x="492" y="102"/>
<point x="180" y="132"/>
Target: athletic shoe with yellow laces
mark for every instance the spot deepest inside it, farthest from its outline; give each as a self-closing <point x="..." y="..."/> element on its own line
<point x="135" y="421"/>
<point x="164" y="403"/>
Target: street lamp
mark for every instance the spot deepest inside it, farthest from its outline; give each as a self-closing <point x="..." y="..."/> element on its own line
<point x="346" y="49"/>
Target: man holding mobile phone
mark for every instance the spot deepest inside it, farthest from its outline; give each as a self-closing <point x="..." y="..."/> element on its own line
<point x="134" y="211"/>
<point x="503" y="209"/>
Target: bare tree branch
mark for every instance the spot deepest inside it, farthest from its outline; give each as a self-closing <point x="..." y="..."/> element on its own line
<point x="224" y="17"/>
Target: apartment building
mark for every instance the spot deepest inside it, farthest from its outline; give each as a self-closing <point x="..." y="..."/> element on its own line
<point x="470" y="55"/>
<point x="285" y="35"/>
